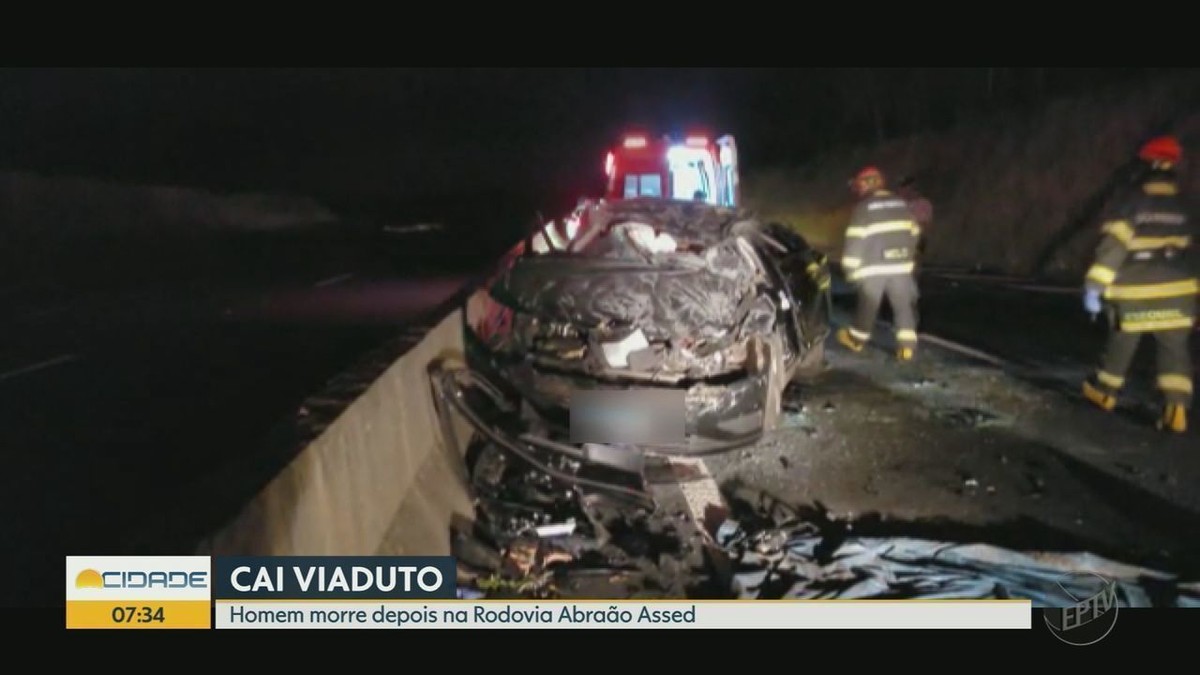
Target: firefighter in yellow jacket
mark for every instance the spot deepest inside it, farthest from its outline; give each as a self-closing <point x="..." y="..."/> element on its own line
<point x="881" y="243"/>
<point x="1144" y="272"/>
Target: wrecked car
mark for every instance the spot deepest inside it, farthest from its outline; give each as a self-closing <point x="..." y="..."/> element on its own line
<point x="653" y="294"/>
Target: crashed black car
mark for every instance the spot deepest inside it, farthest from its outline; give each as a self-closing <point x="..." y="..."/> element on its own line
<point x="651" y="293"/>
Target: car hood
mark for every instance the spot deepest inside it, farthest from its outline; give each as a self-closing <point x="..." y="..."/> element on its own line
<point x="699" y="295"/>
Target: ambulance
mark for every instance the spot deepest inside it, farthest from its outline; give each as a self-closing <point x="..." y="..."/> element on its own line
<point x="693" y="168"/>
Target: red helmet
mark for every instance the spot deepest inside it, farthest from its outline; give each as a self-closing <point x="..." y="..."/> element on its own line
<point x="868" y="179"/>
<point x="1162" y="149"/>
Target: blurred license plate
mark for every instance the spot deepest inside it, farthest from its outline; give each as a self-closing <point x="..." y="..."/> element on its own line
<point x="638" y="416"/>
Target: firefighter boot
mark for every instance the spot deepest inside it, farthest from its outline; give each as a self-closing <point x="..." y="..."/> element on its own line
<point x="1174" y="418"/>
<point x="905" y="354"/>
<point x="849" y="341"/>
<point x="1103" y="399"/>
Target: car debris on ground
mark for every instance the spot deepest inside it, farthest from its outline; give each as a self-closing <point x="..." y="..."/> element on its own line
<point x="534" y="539"/>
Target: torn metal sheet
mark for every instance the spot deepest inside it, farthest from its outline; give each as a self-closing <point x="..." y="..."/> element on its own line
<point x="805" y="564"/>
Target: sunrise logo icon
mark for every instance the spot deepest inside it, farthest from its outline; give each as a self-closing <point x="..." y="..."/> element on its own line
<point x="89" y="579"/>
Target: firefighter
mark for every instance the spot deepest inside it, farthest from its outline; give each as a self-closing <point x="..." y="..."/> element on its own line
<point x="1142" y="270"/>
<point x="878" y="257"/>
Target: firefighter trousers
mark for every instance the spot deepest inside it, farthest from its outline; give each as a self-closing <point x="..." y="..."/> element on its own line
<point x="901" y="294"/>
<point x="1173" y="361"/>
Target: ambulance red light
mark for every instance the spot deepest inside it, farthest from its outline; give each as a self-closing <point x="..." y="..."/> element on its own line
<point x="609" y="164"/>
<point x="635" y="141"/>
<point x="696" y="141"/>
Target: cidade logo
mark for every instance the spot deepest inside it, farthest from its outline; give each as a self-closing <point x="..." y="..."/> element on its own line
<point x="170" y="579"/>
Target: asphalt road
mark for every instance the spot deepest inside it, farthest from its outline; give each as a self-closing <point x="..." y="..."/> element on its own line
<point x="991" y="443"/>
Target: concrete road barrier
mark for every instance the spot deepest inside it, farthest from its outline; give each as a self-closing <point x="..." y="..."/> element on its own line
<point x="381" y="478"/>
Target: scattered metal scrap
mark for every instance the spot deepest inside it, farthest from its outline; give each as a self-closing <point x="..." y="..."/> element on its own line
<point x="534" y="538"/>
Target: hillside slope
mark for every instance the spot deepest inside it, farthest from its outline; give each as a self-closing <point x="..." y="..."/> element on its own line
<point x="1020" y="194"/>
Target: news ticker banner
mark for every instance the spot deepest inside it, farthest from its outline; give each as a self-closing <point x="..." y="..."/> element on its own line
<point x="421" y="592"/>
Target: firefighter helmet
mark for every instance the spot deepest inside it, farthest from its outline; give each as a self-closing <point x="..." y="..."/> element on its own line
<point x="868" y="179"/>
<point x="1162" y="149"/>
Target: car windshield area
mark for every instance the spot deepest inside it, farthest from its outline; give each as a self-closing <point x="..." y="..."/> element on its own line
<point x="634" y="230"/>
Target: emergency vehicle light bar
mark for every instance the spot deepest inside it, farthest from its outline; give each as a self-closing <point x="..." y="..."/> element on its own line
<point x="635" y="141"/>
<point x="696" y="141"/>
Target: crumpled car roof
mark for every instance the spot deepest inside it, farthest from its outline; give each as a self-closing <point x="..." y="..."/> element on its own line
<point x="696" y="223"/>
<point x="697" y="291"/>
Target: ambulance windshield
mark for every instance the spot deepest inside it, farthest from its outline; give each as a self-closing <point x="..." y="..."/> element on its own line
<point x="643" y="185"/>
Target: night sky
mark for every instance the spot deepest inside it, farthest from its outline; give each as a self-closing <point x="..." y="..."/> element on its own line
<point x="389" y="135"/>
